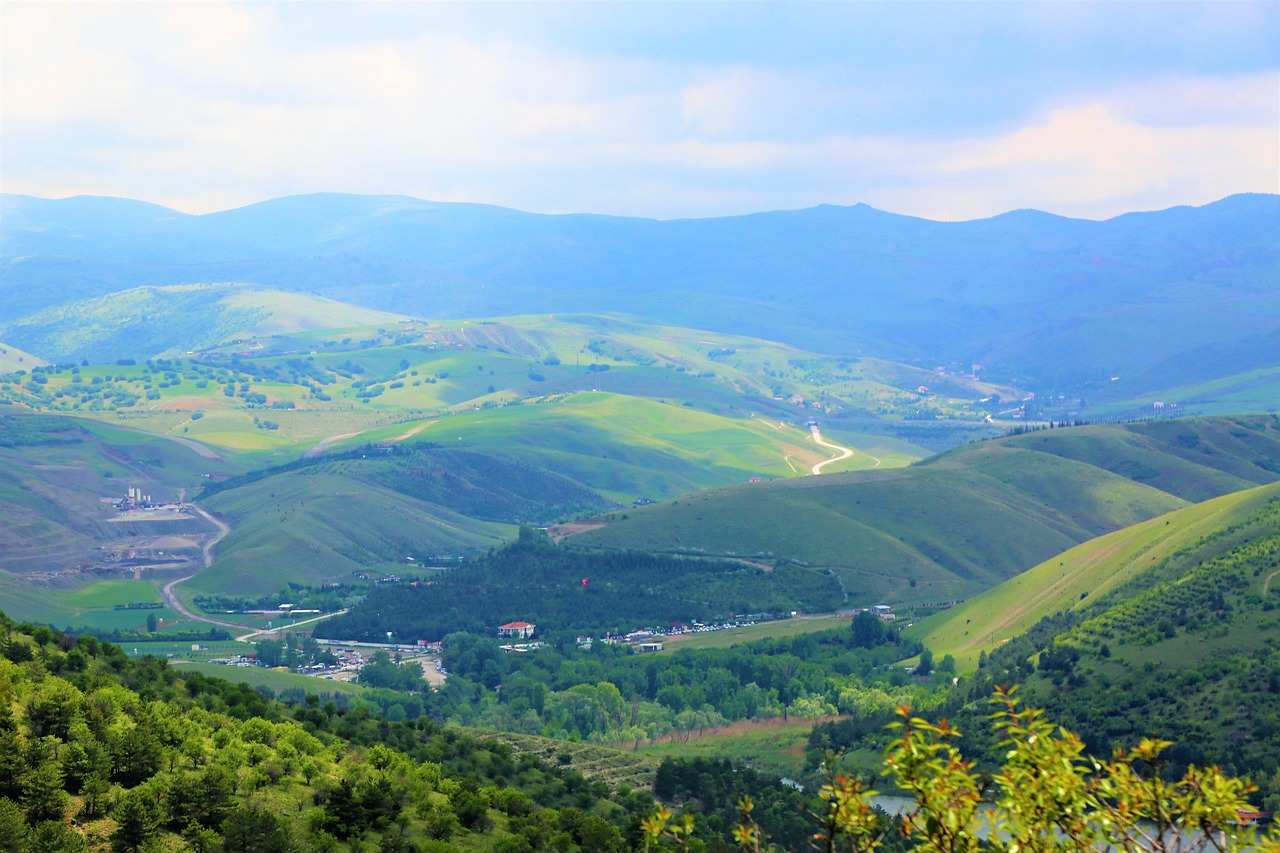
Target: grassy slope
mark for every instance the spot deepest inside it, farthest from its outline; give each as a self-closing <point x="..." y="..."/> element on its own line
<point x="968" y="519"/>
<point x="276" y="680"/>
<point x="628" y="447"/>
<point x="594" y="761"/>
<point x="1185" y="651"/>
<point x="768" y="746"/>
<point x="12" y="358"/>
<point x="322" y="527"/>
<point x="765" y="630"/>
<point x="1079" y="576"/>
<point x="145" y="322"/>
<point x="1246" y="391"/>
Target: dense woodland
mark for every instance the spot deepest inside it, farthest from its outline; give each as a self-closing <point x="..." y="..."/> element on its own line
<point x="609" y="694"/>
<point x="101" y="752"/>
<point x="581" y="592"/>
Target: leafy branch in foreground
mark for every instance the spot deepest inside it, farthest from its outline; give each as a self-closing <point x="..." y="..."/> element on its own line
<point x="1047" y="797"/>
<point x="1053" y="798"/>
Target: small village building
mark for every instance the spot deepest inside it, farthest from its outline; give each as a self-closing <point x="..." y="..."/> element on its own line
<point x="517" y="630"/>
<point x="651" y="647"/>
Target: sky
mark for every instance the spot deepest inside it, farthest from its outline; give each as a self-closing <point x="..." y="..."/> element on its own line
<point x="945" y="110"/>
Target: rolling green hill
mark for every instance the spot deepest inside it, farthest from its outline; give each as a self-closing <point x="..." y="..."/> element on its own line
<point x="958" y="523"/>
<point x="323" y="519"/>
<point x="324" y="528"/>
<point x="628" y="447"/>
<point x="150" y="322"/>
<point x="1076" y="579"/>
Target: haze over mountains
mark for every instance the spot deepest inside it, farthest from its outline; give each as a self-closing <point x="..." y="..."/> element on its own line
<point x="1157" y="299"/>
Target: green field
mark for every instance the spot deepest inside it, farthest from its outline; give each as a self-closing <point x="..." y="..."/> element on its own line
<point x="90" y="606"/>
<point x="1080" y="576"/>
<point x="277" y="680"/>
<point x="769" y="746"/>
<point x="765" y="630"/>
<point x="182" y="652"/>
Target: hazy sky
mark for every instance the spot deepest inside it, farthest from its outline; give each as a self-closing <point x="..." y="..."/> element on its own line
<point x="946" y="110"/>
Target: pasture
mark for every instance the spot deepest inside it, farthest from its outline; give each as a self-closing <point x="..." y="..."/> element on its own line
<point x="749" y="633"/>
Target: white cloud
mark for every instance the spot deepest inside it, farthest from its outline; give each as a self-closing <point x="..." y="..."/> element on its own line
<point x="205" y="105"/>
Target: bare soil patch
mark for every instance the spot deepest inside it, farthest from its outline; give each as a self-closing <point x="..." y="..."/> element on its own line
<point x="560" y="531"/>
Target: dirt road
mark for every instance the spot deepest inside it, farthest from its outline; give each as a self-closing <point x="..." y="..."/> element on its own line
<point x="323" y="445"/>
<point x="845" y="452"/>
<point x="171" y="599"/>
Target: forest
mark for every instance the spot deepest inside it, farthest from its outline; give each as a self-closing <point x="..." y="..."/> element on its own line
<point x="102" y="752"/>
<point x="579" y="592"/>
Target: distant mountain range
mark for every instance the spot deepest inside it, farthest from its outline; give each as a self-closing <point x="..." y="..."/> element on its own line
<point x="1157" y="299"/>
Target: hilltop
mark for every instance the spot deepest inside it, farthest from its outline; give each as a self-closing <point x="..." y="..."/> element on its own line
<point x="960" y="522"/>
<point x="1156" y="300"/>
<point x="168" y="321"/>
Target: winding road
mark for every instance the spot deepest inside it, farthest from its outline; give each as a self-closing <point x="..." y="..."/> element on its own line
<point x="171" y="599"/>
<point x="845" y="452"/>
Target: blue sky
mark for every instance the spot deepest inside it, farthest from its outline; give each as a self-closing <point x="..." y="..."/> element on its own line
<point x="949" y="110"/>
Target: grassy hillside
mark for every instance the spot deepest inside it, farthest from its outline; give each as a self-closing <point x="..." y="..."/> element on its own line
<point x="1193" y="458"/>
<point x="320" y="519"/>
<point x="149" y="322"/>
<point x="1075" y="580"/>
<point x="627" y="447"/>
<point x="12" y="358"/>
<point x="958" y="523"/>
<point x="1180" y="645"/>
<point x="319" y="527"/>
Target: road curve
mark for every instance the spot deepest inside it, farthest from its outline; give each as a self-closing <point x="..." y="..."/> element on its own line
<point x="845" y="452"/>
<point x="171" y="599"/>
